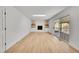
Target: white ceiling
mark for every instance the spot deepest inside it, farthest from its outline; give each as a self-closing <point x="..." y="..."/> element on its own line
<point x="50" y="11"/>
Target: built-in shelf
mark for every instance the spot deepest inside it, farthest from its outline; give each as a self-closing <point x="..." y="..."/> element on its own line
<point x="33" y="25"/>
<point x="46" y="24"/>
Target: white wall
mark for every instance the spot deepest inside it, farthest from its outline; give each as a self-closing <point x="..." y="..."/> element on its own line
<point x="39" y="22"/>
<point x="17" y="26"/>
<point x="1" y="27"/>
<point x="74" y="17"/>
<point x="51" y="25"/>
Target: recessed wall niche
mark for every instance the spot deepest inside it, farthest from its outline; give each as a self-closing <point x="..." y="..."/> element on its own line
<point x="33" y="25"/>
<point x="46" y="25"/>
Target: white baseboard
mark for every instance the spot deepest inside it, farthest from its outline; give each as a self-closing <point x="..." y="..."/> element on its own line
<point x="17" y="40"/>
<point x="74" y="46"/>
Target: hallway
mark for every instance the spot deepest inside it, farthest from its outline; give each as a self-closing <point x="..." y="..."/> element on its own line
<point x="40" y="42"/>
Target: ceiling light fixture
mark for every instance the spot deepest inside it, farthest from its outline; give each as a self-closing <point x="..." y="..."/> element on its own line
<point x="39" y="15"/>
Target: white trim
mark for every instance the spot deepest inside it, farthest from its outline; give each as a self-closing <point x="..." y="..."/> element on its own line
<point x="21" y="37"/>
<point x="74" y="46"/>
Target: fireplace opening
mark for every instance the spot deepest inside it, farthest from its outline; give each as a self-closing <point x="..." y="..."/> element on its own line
<point x="40" y="27"/>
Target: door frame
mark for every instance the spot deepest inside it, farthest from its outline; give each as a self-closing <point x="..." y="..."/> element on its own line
<point x="4" y="29"/>
<point x="3" y="40"/>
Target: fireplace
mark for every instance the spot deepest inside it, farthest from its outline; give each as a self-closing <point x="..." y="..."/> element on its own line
<point x="40" y="27"/>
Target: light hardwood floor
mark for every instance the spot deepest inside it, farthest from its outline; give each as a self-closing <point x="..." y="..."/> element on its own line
<point x="40" y="42"/>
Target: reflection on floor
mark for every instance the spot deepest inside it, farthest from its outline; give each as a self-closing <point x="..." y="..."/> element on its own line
<point x="40" y="42"/>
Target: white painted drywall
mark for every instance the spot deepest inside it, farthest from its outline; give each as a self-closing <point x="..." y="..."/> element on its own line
<point x="2" y="29"/>
<point x="17" y="26"/>
<point x="35" y="10"/>
<point x="51" y="25"/>
<point x="38" y="23"/>
<point x="74" y="17"/>
<point x="1" y="37"/>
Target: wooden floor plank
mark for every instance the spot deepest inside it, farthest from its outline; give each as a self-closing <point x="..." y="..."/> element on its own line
<point x="40" y="42"/>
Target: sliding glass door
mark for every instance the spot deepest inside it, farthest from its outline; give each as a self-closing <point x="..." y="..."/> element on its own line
<point x="62" y="28"/>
